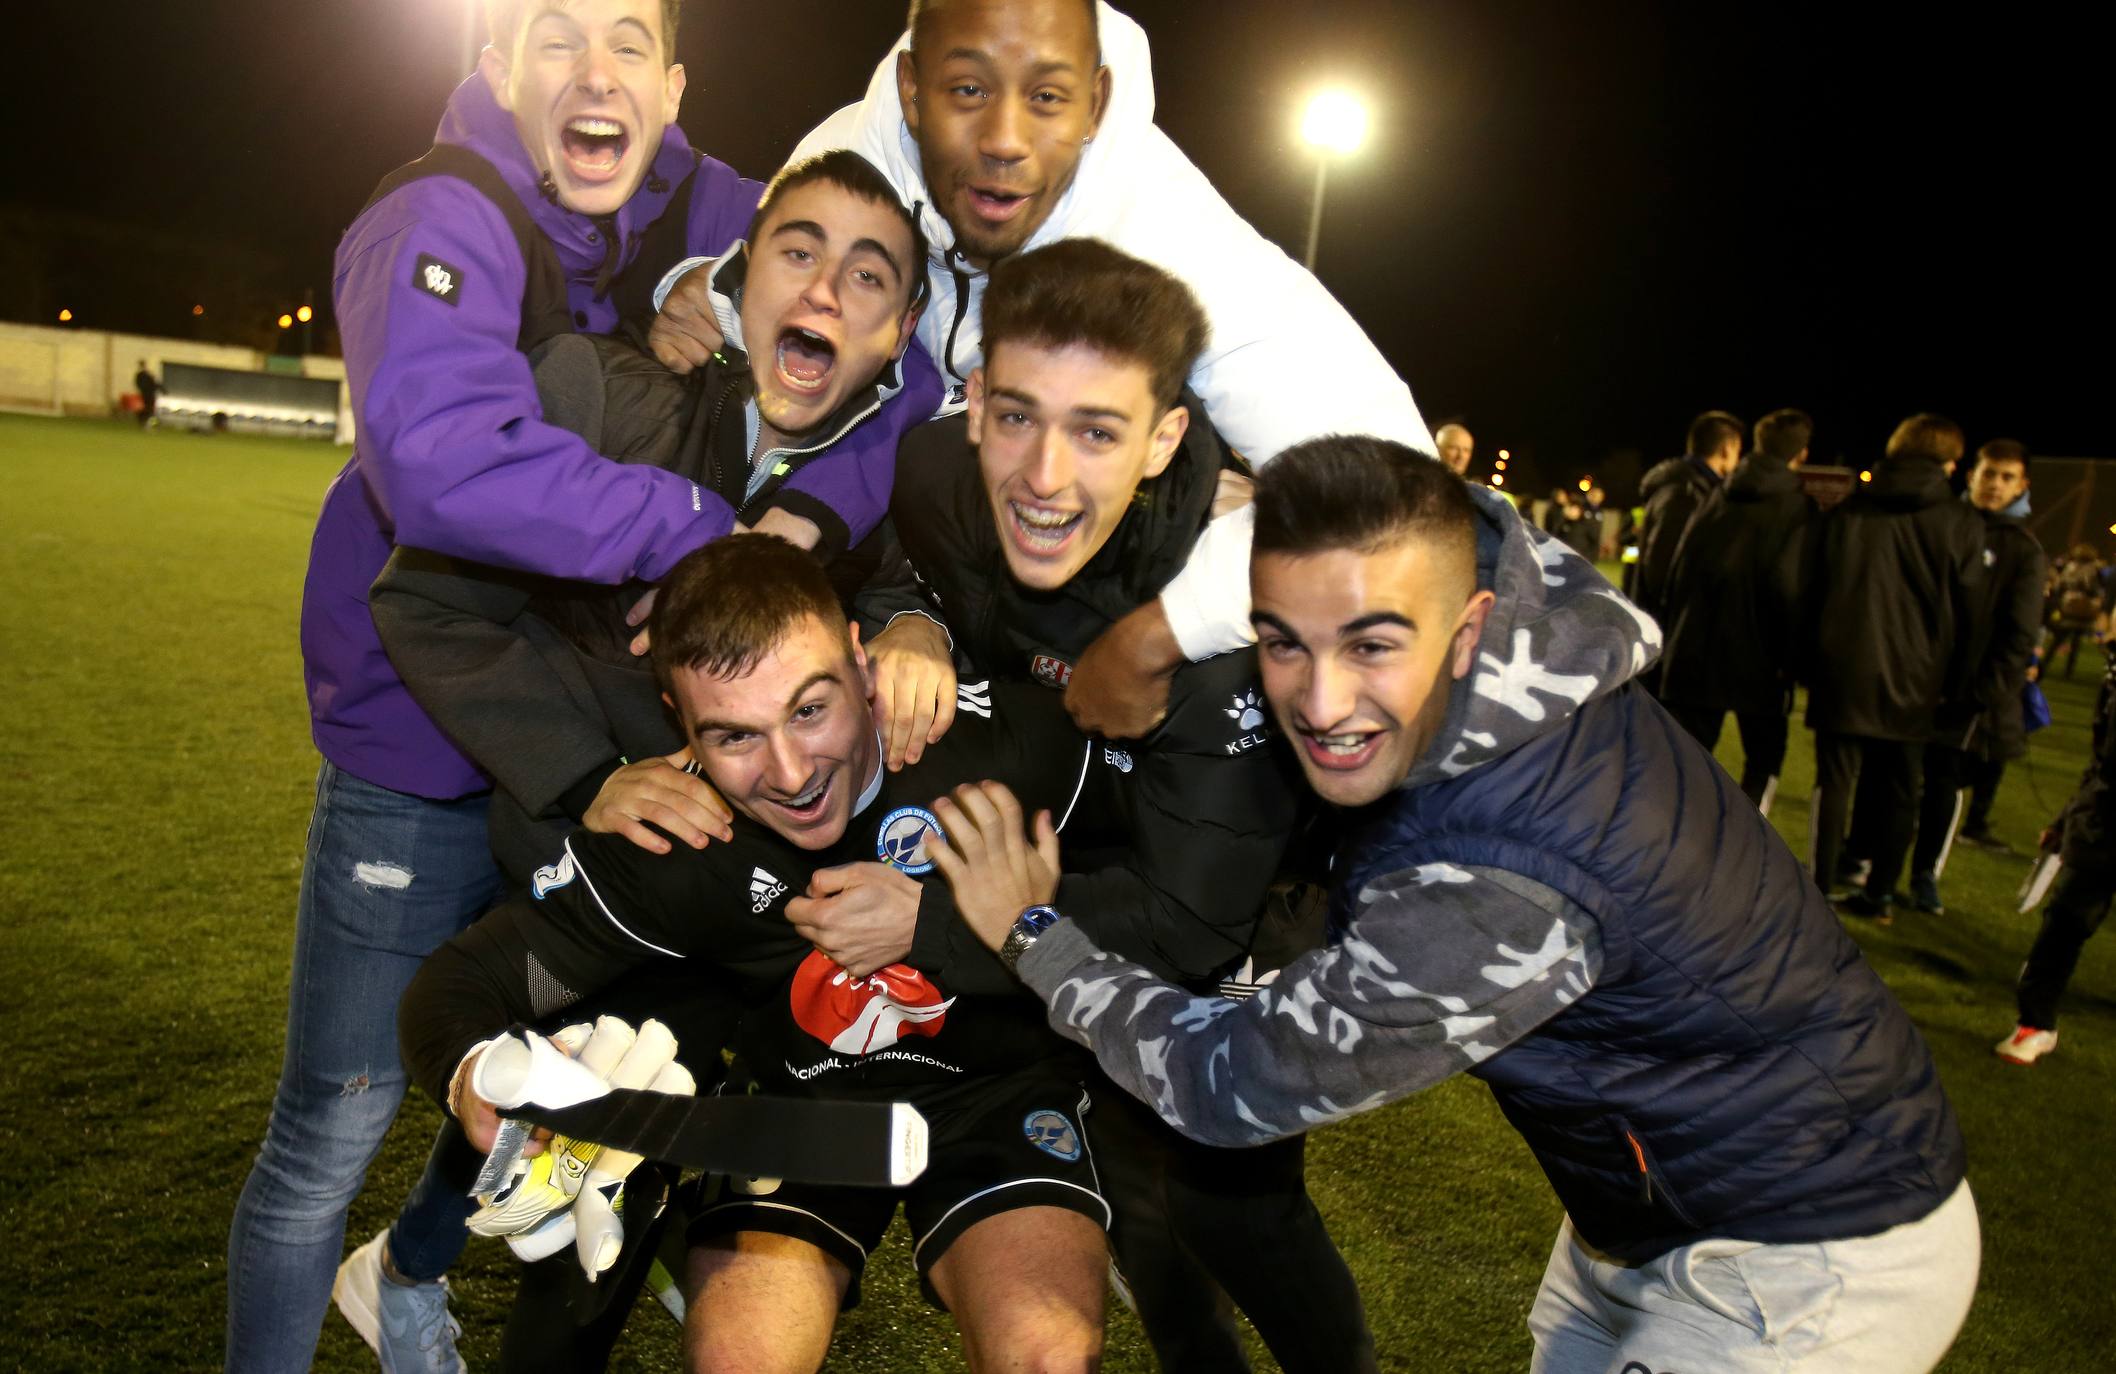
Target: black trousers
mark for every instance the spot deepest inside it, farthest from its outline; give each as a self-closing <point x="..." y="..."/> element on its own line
<point x="1884" y="775"/>
<point x="1200" y="1231"/>
<point x="2078" y="903"/>
<point x="1943" y="811"/>
<point x="1763" y="742"/>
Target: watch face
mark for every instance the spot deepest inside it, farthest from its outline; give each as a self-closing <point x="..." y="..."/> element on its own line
<point x="1039" y="918"/>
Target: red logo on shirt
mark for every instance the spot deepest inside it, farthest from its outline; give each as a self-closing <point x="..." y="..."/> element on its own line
<point x="1051" y="672"/>
<point x="862" y="1015"/>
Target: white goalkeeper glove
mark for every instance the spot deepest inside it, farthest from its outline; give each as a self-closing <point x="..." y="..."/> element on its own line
<point x="534" y="1210"/>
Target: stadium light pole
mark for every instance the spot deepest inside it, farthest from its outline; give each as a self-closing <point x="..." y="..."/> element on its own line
<point x="1335" y="125"/>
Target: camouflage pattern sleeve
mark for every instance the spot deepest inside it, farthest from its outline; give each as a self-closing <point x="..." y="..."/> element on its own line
<point x="1441" y="967"/>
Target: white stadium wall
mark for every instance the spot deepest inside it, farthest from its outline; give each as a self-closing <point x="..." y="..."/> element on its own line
<point x="88" y="372"/>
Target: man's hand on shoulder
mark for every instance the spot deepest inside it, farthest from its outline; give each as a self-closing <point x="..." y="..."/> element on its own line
<point x="685" y="334"/>
<point x="861" y="915"/>
<point x="914" y="688"/>
<point x="659" y="791"/>
<point x="1119" y="689"/>
<point x="997" y="867"/>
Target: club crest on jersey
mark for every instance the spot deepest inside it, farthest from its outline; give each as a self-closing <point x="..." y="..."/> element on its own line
<point x="901" y="842"/>
<point x="551" y="877"/>
<point x="1117" y="759"/>
<point x="1051" y="672"/>
<point x="863" y="1015"/>
<point x="1053" y="1133"/>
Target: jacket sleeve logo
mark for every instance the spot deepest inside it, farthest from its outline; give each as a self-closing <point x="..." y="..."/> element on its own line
<point x="441" y="280"/>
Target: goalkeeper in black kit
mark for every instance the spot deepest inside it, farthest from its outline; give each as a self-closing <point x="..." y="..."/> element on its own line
<point x="773" y="693"/>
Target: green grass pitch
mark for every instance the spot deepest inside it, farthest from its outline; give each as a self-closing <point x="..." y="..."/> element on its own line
<point x="155" y="778"/>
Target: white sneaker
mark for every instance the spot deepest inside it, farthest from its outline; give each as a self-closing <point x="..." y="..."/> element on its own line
<point x="2026" y="1045"/>
<point x="407" y="1326"/>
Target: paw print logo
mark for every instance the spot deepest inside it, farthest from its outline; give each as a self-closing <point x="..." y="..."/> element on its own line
<point x="1247" y="713"/>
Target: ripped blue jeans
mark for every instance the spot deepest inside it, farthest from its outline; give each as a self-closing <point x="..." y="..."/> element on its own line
<point x="386" y="878"/>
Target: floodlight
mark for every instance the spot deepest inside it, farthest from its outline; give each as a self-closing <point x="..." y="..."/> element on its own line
<point x="1336" y="121"/>
<point x="66" y="317"/>
<point x="286" y="321"/>
<point x="304" y="314"/>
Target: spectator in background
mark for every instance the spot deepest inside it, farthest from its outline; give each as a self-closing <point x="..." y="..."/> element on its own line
<point x="1570" y="521"/>
<point x="1733" y="610"/>
<point x="1605" y="523"/>
<point x="1457" y="446"/>
<point x="1672" y="492"/>
<point x="2084" y="838"/>
<point x="143" y="382"/>
<point x="1893" y="627"/>
<point x="1962" y="770"/>
<point x="2077" y="607"/>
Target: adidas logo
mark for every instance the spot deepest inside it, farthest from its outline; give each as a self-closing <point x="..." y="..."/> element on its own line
<point x="763" y="890"/>
<point x="974" y="697"/>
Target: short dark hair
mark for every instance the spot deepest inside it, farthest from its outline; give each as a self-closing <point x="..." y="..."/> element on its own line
<point x="1355" y="492"/>
<point x="851" y="173"/>
<point x="922" y="12"/>
<point x="1710" y="432"/>
<point x="2005" y="451"/>
<point x="1926" y="435"/>
<point x="1782" y="434"/>
<point x="1082" y="291"/>
<point x="727" y="604"/>
<point x="504" y="17"/>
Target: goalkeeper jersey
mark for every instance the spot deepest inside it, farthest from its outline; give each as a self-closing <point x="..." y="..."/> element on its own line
<point x="606" y="909"/>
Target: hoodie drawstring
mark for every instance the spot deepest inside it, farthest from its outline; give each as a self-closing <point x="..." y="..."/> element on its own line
<point x="962" y="308"/>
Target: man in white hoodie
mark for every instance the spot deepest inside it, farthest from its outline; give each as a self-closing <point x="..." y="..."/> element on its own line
<point x="1016" y="123"/>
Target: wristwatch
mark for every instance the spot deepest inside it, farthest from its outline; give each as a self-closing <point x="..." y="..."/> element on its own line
<point x="1032" y="922"/>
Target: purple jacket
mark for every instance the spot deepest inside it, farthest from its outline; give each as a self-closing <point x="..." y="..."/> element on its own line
<point x="452" y="453"/>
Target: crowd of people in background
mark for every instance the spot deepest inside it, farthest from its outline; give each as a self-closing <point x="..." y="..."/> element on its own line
<point x="1918" y="612"/>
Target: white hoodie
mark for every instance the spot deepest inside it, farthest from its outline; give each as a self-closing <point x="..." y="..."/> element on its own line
<point x="1285" y="362"/>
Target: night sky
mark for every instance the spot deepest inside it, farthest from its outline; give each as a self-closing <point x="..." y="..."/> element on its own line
<point x="1575" y="225"/>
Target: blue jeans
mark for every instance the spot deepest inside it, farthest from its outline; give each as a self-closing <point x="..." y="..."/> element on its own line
<point x="386" y="878"/>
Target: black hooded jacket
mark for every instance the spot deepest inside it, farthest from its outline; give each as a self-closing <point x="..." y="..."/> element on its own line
<point x="1671" y="493"/>
<point x="1733" y="598"/>
<point x="1895" y="611"/>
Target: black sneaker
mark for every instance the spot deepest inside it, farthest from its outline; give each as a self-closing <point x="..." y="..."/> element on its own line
<point x="1868" y="906"/>
<point x="1925" y="894"/>
<point x="1988" y="842"/>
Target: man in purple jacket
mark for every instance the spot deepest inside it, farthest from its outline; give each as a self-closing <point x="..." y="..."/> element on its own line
<point x="557" y="191"/>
